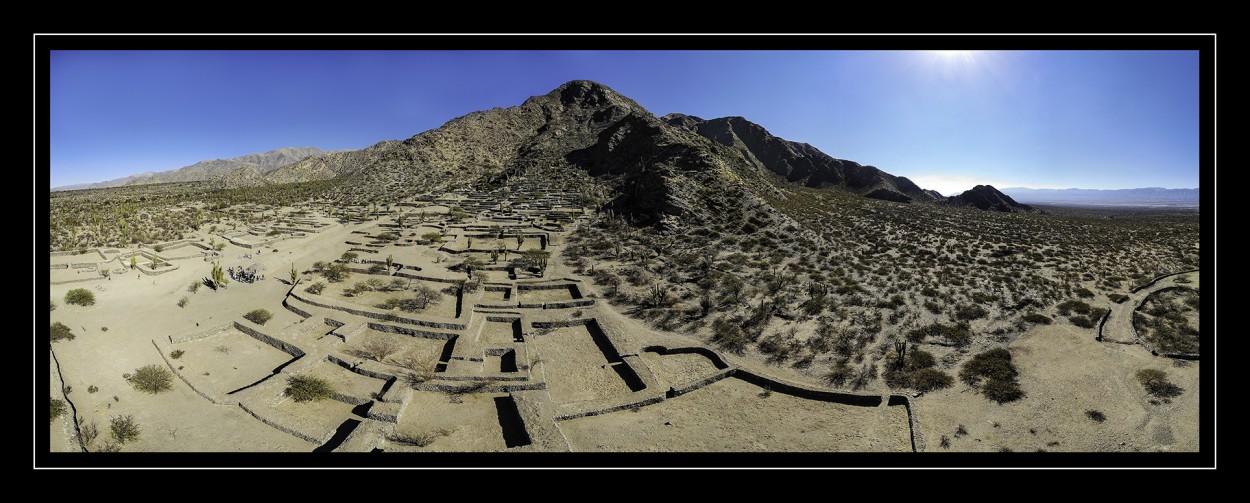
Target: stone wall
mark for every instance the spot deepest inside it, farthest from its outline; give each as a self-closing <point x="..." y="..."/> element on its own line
<point x="1156" y="280"/>
<point x="201" y="333"/>
<point x="207" y="393"/>
<point x="683" y="388"/>
<point x="323" y="302"/>
<point x="801" y="391"/>
<point x="283" y="346"/>
<point x="717" y="361"/>
<point x="414" y="332"/>
<point x="1102" y="321"/>
<point x="281" y="424"/>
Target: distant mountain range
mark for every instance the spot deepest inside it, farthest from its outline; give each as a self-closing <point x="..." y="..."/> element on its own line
<point x="231" y="172"/>
<point x="1150" y="196"/>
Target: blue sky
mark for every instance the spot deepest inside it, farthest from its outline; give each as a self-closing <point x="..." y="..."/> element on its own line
<point x="946" y="119"/>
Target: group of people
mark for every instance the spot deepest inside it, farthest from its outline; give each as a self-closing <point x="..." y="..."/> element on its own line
<point x="243" y="275"/>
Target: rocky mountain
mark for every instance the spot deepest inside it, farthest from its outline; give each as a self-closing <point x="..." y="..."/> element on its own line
<point x="262" y="163"/>
<point x="1149" y="196"/>
<point x="658" y="170"/>
<point x="588" y="126"/>
<point x="801" y="162"/>
<point x="986" y="197"/>
<point x="582" y="125"/>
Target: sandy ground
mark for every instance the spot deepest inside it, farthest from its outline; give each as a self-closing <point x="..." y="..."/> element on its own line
<point x="1065" y="372"/>
<point x="584" y="372"/>
<point x="675" y="369"/>
<point x="730" y="415"/>
<point x="244" y="360"/>
<point x="471" y="425"/>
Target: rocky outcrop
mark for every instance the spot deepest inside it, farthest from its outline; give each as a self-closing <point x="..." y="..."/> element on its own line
<point x="986" y="197"/>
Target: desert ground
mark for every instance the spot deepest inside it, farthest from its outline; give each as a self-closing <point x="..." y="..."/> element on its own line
<point x="543" y="354"/>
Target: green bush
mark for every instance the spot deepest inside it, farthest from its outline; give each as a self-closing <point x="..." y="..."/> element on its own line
<point x="1037" y="318"/>
<point x="177" y="353"/>
<point x="258" y="316"/>
<point x="308" y="389"/>
<point x="970" y="312"/>
<point x="59" y="331"/>
<point x="994" y="373"/>
<point x="183" y="301"/>
<point x="959" y="335"/>
<point x="124" y="428"/>
<point x="930" y="379"/>
<point x="1096" y="416"/>
<point x="1002" y="391"/>
<point x="336" y="272"/>
<point x="57" y="409"/>
<point x="315" y="288"/>
<point x="53" y="304"/>
<point x="919" y="359"/>
<point x="348" y="256"/>
<point x="1075" y="306"/>
<point x="992" y="364"/>
<point x="1156" y="383"/>
<point x="1081" y="321"/>
<point x="152" y="379"/>
<point x="80" y="296"/>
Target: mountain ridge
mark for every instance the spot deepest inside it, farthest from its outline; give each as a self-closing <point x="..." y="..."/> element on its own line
<point x="264" y="162"/>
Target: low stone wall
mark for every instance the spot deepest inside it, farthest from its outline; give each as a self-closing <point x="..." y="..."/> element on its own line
<point x="505" y="319"/>
<point x="201" y="333"/>
<point x="913" y="422"/>
<point x="362" y="368"/>
<point x="386" y="411"/>
<point x="283" y="346"/>
<point x="95" y="277"/>
<point x="1102" y="321"/>
<point x="561" y="323"/>
<point x="453" y="281"/>
<point x="207" y="394"/>
<point x="146" y="269"/>
<point x="414" y="332"/>
<point x="801" y="391"/>
<point x="69" y="253"/>
<point x="565" y="304"/>
<point x="279" y="424"/>
<point x="323" y="302"/>
<point x="681" y="389"/>
<point x="611" y="404"/>
<point x="59" y="266"/>
<point x="1156" y="280"/>
<point x="717" y="361"/>
<point x="496" y="388"/>
<point x="536" y="417"/>
<point x="302" y="313"/>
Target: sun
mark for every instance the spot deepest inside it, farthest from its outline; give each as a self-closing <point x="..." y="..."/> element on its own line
<point x="954" y="55"/>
